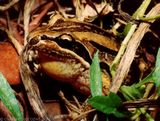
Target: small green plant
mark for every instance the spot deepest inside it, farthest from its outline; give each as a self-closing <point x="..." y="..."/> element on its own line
<point x="107" y="104"/>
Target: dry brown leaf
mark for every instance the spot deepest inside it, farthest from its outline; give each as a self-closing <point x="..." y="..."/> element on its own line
<point x="85" y="12"/>
<point x="9" y="63"/>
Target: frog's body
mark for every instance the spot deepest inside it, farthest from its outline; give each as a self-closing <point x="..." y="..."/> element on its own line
<point x="63" y="50"/>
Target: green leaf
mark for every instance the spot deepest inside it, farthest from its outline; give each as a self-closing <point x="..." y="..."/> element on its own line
<point x="108" y="104"/>
<point x="126" y="29"/>
<point x="154" y="76"/>
<point x="156" y="73"/>
<point x="95" y="77"/>
<point x="147" y="79"/>
<point x="132" y="92"/>
<point x="8" y="98"/>
<point x="142" y="9"/>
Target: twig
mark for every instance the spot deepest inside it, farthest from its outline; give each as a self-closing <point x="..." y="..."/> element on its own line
<point x="10" y="34"/>
<point x="68" y="104"/>
<point x="27" y="10"/>
<point x="142" y="103"/>
<point x="82" y="115"/>
<point x="122" y="49"/>
<point x="124" y="15"/>
<point x="128" y="57"/>
<point x="77" y="102"/>
<point x="17" y="45"/>
<point x="76" y="113"/>
<point x="7" y="6"/>
<point x="35" y="23"/>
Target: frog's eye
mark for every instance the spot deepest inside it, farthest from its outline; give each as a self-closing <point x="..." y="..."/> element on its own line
<point x="34" y="41"/>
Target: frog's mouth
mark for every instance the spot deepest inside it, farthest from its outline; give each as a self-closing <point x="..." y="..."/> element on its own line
<point x="60" y="63"/>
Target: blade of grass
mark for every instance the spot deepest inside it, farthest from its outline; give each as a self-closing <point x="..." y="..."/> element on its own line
<point x="156" y="73"/>
<point x="154" y="76"/>
<point x="142" y="9"/>
<point x="95" y="77"/>
<point x="8" y="98"/>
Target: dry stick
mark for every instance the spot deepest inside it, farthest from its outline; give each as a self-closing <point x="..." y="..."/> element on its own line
<point x="27" y="10"/>
<point x="128" y="57"/>
<point x="9" y="32"/>
<point x="36" y="22"/>
<point x="7" y="6"/>
<point x="68" y="104"/>
<point x="75" y="109"/>
<point x="16" y="44"/>
<point x="122" y="49"/>
<point x="83" y="115"/>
